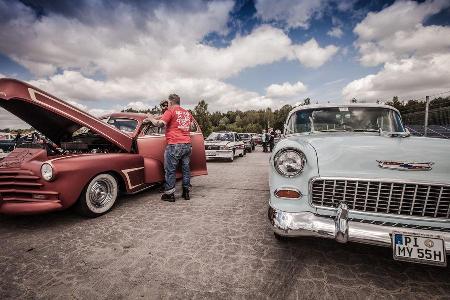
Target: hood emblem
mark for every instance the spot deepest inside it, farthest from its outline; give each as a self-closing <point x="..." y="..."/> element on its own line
<point x="405" y="166"/>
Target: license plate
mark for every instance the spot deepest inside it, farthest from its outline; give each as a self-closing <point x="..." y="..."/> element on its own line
<point x="210" y="153"/>
<point x="418" y="248"/>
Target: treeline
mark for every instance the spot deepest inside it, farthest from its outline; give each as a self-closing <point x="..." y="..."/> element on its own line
<point x="239" y="121"/>
<point x="413" y="111"/>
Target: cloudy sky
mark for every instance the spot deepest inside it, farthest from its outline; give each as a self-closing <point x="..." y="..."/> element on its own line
<point x="244" y="54"/>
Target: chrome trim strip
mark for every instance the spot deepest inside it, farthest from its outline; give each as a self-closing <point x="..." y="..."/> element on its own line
<point x="390" y="197"/>
<point x="414" y="200"/>
<point x="426" y="200"/>
<point x="356" y="193"/>
<point x="439" y="201"/>
<point x="378" y="196"/>
<point x="401" y="199"/>
<point x="127" y="176"/>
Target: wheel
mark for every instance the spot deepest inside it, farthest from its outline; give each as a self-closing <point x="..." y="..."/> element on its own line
<point x="280" y="238"/>
<point x="99" y="196"/>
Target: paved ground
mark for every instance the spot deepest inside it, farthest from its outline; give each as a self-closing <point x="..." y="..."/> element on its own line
<point x="218" y="245"/>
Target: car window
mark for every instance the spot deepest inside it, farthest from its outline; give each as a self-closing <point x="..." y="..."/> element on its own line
<point x="220" y="136"/>
<point x="153" y="130"/>
<point x="123" y="124"/>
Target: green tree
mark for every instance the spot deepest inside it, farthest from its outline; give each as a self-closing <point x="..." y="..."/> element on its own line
<point x="203" y="117"/>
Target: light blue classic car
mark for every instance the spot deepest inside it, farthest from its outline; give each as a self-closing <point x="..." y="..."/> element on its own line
<point x="353" y="173"/>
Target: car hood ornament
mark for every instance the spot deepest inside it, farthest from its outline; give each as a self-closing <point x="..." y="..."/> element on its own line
<point x="405" y="166"/>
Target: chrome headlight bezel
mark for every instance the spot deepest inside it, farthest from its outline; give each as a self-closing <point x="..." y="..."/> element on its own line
<point x="300" y="159"/>
<point x="47" y="172"/>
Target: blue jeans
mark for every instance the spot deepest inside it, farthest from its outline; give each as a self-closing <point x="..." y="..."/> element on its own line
<point x="172" y="156"/>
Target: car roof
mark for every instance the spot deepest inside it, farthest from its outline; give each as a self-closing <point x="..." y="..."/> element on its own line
<point x="331" y="105"/>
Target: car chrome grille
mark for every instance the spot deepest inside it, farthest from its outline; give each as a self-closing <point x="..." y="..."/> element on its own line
<point x="412" y="199"/>
<point x="22" y="185"/>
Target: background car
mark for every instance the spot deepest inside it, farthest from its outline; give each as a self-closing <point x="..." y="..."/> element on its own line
<point x="257" y="139"/>
<point x="353" y="173"/>
<point x="224" y="145"/>
<point x="88" y="162"/>
<point x="249" y="143"/>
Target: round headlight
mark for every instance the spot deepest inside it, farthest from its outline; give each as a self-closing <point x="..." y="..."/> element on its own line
<point x="47" y="171"/>
<point x="289" y="162"/>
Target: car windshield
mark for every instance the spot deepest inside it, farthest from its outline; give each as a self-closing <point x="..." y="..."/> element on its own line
<point x="216" y="136"/>
<point x="337" y="119"/>
<point x="123" y="124"/>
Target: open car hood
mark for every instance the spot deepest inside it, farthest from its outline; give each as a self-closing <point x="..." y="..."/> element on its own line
<point x="53" y="117"/>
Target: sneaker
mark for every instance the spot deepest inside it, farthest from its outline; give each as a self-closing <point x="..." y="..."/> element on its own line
<point x="186" y="194"/>
<point x="168" y="197"/>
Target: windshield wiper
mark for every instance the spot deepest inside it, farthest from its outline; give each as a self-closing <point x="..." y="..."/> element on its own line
<point x="366" y="130"/>
<point x="332" y="130"/>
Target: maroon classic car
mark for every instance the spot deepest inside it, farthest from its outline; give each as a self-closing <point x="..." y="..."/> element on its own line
<point x="90" y="161"/>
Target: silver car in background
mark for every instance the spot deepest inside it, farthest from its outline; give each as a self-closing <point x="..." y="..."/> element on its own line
<point x="224" y="145"/>
<point x="353" y="173"/>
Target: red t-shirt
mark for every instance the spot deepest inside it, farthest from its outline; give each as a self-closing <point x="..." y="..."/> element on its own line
<point x="178" y="125"/>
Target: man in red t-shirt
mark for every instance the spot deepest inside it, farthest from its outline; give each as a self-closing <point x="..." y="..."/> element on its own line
<point x="177" y="121"/>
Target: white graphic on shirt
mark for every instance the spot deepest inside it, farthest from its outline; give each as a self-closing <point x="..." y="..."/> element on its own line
<point x="183" y="120"/>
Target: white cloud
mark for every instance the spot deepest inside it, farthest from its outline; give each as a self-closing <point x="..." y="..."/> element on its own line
<point x="409" y="78"/>
<point x="285" y="90"/>
<point x="293" y="13"/>
<point x="397" y="32"/>
<point x="311" y="55"/>
<point x="138" y="57"/>
<point x="139" y="105"/>
<point x="416" y="57"/>
<point x="335" y="32"/>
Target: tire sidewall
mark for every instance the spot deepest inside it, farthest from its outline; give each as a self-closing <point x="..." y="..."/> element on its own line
<point x="87" y="208"/>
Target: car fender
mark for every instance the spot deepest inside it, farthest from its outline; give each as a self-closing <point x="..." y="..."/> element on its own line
<point x="73" y="173"/>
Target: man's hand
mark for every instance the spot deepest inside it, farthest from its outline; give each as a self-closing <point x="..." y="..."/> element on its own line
<point x="151" y="119"/>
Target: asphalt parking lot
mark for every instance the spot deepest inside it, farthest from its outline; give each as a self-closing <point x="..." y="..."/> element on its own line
<point x="218" y="245"/>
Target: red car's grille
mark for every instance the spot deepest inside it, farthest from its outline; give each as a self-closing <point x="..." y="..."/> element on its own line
<point x="23" y="185"/>
<point x="411" y="199"/>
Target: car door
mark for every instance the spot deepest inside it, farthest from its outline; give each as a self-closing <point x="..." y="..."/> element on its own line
<point x="198" y="157"/>
<point x="151" y="144"/>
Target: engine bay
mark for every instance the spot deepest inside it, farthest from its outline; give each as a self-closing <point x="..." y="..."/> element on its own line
<point x="81" y="141"/>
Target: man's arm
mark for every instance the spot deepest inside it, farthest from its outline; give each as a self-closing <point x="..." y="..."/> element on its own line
<point x="154" y="121"/>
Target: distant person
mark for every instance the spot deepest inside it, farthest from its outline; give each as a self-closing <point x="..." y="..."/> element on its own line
<point x="271" y="140"/>
<point x="177" y="121"/>
<point x="264" y="140"/>
<point x="163" y="105"/>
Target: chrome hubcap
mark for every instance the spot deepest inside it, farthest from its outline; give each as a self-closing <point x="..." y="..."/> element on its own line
<point x="101" y="193"/>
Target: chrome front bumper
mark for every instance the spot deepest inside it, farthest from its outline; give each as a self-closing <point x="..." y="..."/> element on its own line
<point x="340" y="228"/>
<point x="212" y="154"/>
